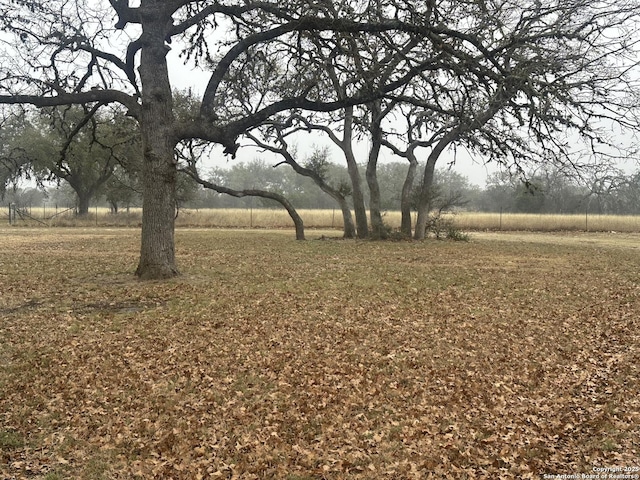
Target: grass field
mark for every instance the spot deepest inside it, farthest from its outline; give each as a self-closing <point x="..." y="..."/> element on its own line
<point x="278" y="218"/>
<point x="509" y="356"/>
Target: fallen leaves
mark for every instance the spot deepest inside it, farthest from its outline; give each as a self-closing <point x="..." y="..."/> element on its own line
<point x="272" y="358"/>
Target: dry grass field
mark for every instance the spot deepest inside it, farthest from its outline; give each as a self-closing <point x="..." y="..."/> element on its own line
<point x="509" y="356"/>
<point x="278" y="218"/>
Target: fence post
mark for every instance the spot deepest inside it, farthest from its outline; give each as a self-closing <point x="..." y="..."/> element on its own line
<point x="500" y="219"/>
<point x="586" y="219"/>
<point x="10" y="214"/>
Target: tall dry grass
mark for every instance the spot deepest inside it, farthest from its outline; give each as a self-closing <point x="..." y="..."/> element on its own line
<point x="279" y="218"/>
<point x="546" y="222"/>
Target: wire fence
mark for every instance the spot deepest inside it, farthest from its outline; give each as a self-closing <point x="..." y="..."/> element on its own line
<point x="57" y="216"/>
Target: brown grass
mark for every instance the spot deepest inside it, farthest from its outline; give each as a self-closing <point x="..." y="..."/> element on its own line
<point x="511" y="356"/>
<point x="278" y="218"/>
<point x="547" y="222"/>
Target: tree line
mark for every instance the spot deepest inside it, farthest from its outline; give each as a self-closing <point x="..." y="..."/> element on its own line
<point x="551" y="191"/>
<point x="523" y="85"/>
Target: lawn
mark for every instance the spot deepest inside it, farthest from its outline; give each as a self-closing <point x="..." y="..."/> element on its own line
<point x="510" y="356"/>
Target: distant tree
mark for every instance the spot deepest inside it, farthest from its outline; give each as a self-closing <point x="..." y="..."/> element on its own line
<point x="391" y="177"/>
<point x="530" y="197"/>
<point x="455" y="188"/>
<point x="73" y="145"/>
<point x="26" y="197"/>
<point x="122" y="188"/>
<point x="627" y="194"/>
<point x="450" y="193"/>
<point x="498" y="194"/>
<point x="540" y="191"/>
<point x="87" y="146"/>
<point x="19" y="146"/>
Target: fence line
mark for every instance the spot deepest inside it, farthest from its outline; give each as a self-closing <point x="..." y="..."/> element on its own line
<point x="328" y="218"/>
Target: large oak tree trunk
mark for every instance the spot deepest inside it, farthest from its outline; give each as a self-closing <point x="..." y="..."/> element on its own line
<point x="84" y="198"/>
<point x="157" y="251"/>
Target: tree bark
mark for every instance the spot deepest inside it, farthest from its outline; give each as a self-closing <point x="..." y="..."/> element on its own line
<point x="359" y="208"/>
<point x="157" y="251"/>
<point x="424" y="204"/>
<point x="405" y="199"/>
<point x="347" y="219"/>
<point x="84" y="198"/>
<point x="378" y="228"/>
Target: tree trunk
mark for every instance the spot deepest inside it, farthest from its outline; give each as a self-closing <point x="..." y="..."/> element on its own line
<point x="157" y="251"/>
<point x="83" y="194"/>
<point x="424" y="204"/>
<point x="347" y="219"/>
<point x="349" y="227"/>
<point x="356" y="184"/>
<point x="378" y="228"/>
<point x="405" y="199"/>
<point x="84" y="198"/>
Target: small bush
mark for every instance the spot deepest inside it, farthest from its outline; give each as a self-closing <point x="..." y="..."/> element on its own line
<point x="456" y="235"/>
<point x="443" y="227"/>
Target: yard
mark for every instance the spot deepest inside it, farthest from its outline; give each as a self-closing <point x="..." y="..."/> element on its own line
<point x="510" y="356"/>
